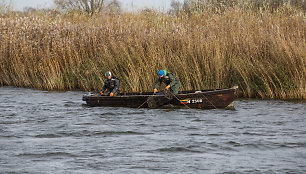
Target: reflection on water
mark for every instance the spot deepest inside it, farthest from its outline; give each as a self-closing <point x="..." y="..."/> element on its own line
<point x="54" y="132"/>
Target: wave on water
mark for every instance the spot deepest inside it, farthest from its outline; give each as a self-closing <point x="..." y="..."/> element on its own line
<point x="47" y="154"/>
<point x="48" y="136"/>
<point x="136" y="113"/>
<point x="120" y="133"/>
<point x="89" y="133"/>
<point x="177" y="149"/>
<point x="56" y="133"/>
<point x="265" y="145"/>
<point x="110" y="114"/>
<point x="70" y="104"/>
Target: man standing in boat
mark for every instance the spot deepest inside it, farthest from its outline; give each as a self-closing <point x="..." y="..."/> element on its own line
<point x="170" y="80"/>
<point x="111" y="85"/>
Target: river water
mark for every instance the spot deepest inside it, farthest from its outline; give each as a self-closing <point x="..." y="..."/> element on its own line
<point x="55" y="132"/>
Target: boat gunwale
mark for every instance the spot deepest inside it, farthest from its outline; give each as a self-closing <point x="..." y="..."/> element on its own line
<point x="193" y="92"/>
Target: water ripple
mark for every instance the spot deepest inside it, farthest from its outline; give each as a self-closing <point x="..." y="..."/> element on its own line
<point x="177" y="150"/>
<point x="46" y="155"/>
<point x="55" y="132"/>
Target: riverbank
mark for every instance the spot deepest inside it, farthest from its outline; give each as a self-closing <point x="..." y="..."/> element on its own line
<point x="262" y="52"/>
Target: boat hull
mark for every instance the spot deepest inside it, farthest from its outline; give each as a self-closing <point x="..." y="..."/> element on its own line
<point x="204" y="99"/>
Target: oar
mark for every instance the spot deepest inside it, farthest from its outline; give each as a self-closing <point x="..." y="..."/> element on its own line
<point x="167" y="96"/>
<point x="158" y="101"/>
<point x="148" y="100"/>
<point x="151" y="102"/>
<point x="144" y="102"/>
<point x="209" y="101"/>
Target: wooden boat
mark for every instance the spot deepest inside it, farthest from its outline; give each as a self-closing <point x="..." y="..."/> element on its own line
<point x="200" y="99"/>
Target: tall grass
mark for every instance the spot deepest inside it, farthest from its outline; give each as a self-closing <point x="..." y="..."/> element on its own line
<point x="262" y="52"/>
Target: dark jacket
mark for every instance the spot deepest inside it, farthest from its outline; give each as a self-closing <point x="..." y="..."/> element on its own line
<point x="112" y="85"/>
<point x="168" y="79"/>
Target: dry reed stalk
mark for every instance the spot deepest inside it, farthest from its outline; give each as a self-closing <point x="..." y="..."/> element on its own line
<point x="256" y="50"/>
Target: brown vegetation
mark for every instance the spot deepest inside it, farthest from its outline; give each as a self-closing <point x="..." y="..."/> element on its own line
<point x="261" y="51"/>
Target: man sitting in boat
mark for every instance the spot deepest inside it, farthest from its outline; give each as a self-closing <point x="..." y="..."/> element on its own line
<point x="111" y="85"/>
<point x="172" y="82"/>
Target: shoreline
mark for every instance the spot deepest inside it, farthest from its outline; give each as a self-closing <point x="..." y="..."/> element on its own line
<point x="238" y="95"/>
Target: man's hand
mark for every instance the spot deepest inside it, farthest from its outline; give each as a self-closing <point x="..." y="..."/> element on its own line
<point x="155" y="91"/>
<point x="111" y="94"/>
<point x="101" y="92"/>
<point x="167" y="87"/>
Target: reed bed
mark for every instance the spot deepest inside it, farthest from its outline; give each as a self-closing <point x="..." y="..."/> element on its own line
<point x="262" y="52"/>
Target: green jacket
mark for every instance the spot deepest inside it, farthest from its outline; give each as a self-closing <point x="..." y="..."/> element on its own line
<point x="168" y="79"/>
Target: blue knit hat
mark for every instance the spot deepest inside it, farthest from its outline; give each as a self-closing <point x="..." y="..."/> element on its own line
<point x="162" y="72"/>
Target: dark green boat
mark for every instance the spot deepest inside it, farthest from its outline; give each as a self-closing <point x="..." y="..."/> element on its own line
<point x="199" y="99"/>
